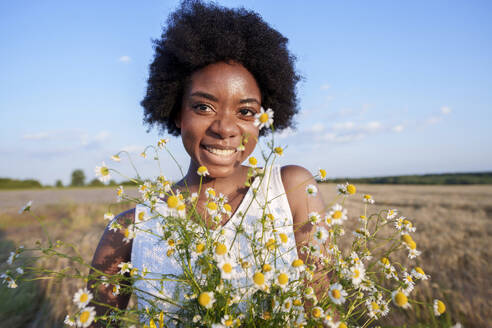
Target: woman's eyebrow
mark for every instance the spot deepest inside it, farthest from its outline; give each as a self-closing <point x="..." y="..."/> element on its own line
<point x="249" y="100"/>
<point x="204" y="95"/>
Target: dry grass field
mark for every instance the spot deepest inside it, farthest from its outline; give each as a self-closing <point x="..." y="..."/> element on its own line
<point x="453" y="231"/>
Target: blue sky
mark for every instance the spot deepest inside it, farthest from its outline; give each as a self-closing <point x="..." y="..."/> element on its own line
<point x="389" y="87"/>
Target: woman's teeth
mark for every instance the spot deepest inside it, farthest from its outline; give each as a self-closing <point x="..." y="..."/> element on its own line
<point x="222" y="152"/>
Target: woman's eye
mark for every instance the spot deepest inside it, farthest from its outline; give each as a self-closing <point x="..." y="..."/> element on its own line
<point x="247" y="112"/>
<point x="202" y="108"/>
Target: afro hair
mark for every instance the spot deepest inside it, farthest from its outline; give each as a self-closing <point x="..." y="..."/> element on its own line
<point x="199" y="34"/>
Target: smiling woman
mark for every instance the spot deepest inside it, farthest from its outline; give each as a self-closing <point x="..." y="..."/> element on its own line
<point x="214" y="72"/>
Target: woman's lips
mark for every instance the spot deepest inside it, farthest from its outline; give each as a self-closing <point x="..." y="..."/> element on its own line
<point x="219" y="153"/>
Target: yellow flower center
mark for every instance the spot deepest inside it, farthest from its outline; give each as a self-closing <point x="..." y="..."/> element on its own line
<point x="104" y="171"/>
<point x="356" y="273"/>
<point x="84" y="316"/>
<point x="270" y="244"/>
<point x="200" y="248"/>
<point x="283" y="279"/>
<point x="283" y="237"/>
<point x="83" y="298"/>
<point x="253" y="161"/>
<point x="170" y="252"/>
<point x="374" y="306"/>
<point x="367" y="196"/>
<point x="297" y="302"/>
<point x="212" y="206"/>
<point x="342" y="325"/>
<point x="211" y="192"/>
<point x="126" y="232"/>
<point x="259" y="278"/>
<point x="228" y="208"/>
<point x="412" y="245"/>
<point x="270" y="216"/>
<point x="204" y="299"/>
<point x="316" y="312"/>
<point x="278" y="150"/>
<point x="267" y="267"/>
<point x="419" y="270"/>
<point x="322" y="173"/>
<point x="385" y="261"/>
<point x="401" y="299"/>
<point x="337" y="215"/>
<point x="407" y="238"/>
<point x="181" y="207"/>
<point x="227" y="267"/>
<point x="228" y="322"/>
<point x="171" y="242"/>
<point x="172" y="201"/>
<point x="441" y="308"/>
<point x="408" y="223"/>
<point x="351" y="189"/>
<point x="202" y="169"/>
<point x="409" y="278"/>
<point x="220" y="249"/>
<point x="336" y="293"/>
<point x="297" y="263"/>
<point x="264" y="118"/>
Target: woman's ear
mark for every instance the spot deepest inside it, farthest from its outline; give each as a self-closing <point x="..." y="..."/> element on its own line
<point x="177" y="120"/>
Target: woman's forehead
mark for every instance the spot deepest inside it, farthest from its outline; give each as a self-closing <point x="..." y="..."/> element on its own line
<point x="224" y="80"/>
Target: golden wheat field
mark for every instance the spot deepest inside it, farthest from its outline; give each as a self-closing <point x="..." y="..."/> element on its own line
<point x="453" y="231"/>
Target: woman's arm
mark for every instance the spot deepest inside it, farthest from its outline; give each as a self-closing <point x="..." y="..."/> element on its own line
<point x="295" y="180"/>
<point x="110" y="252"/>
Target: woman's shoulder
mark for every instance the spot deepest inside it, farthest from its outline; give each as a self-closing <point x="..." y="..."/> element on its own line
<point x="295" y="177"/>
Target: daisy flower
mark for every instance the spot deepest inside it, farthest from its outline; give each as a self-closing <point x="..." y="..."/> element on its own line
<point x="400" y="299"/>
<point x="11" y="258"/>
<point x="253" y="161"/>
<point x="220" y="251"/>
<point x="202" y="171"/>
<point x="259" y="280"/>
<point x="26" y="208"/>
<point x="317" y="312"/>
<point x="125" y="267"/>
<point x="282" y="279"/>
<point x="321" y="234"/>
<point x="322" y="174"/>
<point x="116" y="158"/>
<point x="227" y="321"/>
<point x="102" y="173"/>
<point x="108" y="216"/>
<point x="368" y="199"/>
<point x="310" y="295"/>
<point x="337" y="294"/>
<point x="391" y="214"/>
<point x="119" y="193"/>
<point x="86" y="316"/>
<point x="206" y="299"/>
<point x="337" y="215"/>
<point x="419" y="273"/>
<point x="357" y="274"/>
<point x="314" y="218"/>
<point x="212" y="208"/>
<point x="129" y="233"/>
<point x="82" y="297"/>
<point x="69" y="321"/>
<point x="116" y="290"/>
<point x="311" y="190"/>
<point x="227" y="209"/>
<point x="264" y="118"/>
<point x="408" y="283"/>
<point x="373" y="308"/>
<point x="226" y="267"/>
<point x="439" y="307"/>
<point x="278" y="150"/>
<point x="162" y="142"/>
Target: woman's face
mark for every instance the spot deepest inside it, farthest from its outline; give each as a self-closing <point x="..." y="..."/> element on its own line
<point x="218" y="109"/>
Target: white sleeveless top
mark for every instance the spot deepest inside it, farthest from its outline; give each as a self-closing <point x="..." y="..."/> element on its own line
<point x="149" y="251"/>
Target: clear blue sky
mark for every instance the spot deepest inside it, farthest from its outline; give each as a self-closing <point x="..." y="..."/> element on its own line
<point x="390" y="87"/>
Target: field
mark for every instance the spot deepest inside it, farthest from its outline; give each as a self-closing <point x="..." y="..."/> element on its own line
<point x="453" y="231"/>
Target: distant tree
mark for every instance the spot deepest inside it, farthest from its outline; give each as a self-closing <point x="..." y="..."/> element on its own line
<point x="112" y="182"/>
<point x="95" y="183"/>
<point x="78" y="178"/>
<point x="59" y="184"/>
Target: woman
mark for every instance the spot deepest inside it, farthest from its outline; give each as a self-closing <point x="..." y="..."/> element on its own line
<point x="214" y="69"/>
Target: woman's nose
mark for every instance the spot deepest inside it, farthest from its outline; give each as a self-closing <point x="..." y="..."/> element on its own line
<point x="225" y="126"/>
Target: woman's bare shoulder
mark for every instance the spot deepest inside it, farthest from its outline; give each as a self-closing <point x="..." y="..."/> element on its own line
<point x="112" y="248"/>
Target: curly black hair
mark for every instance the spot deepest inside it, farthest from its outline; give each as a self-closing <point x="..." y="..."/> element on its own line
<point x="199" y="34"/>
